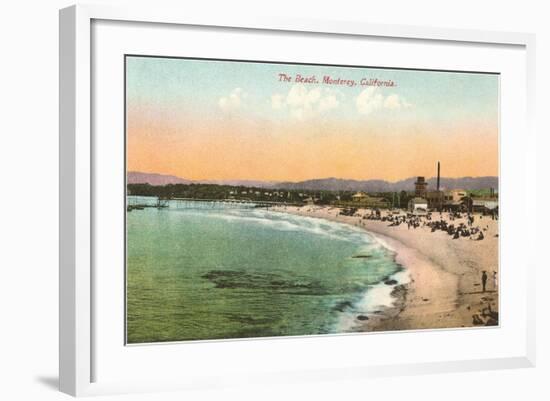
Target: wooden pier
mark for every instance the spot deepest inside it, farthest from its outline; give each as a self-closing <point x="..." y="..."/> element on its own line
<point x="193" y="203"/>
<point x="160" y="203"/>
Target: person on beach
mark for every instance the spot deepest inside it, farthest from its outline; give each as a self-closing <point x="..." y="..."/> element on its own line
<point x="484" y="280"/>
<point x="495" y="281"/>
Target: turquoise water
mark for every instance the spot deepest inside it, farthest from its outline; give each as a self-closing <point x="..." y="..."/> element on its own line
<point x="196" y="271"/>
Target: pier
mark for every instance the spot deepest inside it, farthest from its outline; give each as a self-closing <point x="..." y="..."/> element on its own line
<point x="193" y="203"/>
<point x="140" y="204"/>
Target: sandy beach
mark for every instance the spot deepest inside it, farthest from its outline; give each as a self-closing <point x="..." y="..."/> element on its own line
<point x="445" y="288"/>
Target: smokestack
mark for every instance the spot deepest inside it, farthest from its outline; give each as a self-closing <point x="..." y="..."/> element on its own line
<point x="438" y="171"/>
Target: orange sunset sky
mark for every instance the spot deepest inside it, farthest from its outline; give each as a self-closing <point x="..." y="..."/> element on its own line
<point x="211" y="120"/>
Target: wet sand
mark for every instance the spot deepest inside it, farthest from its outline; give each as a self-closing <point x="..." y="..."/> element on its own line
<point x="445" y="289"/>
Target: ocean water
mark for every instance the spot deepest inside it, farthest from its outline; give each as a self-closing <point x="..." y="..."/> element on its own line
<point x="198" y="271"/>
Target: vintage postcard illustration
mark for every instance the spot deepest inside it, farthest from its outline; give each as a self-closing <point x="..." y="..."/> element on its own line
<point x="277" y="199"/>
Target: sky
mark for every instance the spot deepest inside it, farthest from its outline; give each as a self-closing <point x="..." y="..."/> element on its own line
<point x="218" y="120"/>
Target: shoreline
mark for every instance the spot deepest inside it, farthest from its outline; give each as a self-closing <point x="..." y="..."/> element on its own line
<point x="445" y="274"/>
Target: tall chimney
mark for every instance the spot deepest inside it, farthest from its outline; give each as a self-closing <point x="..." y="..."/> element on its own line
<point x="438" y="171"/>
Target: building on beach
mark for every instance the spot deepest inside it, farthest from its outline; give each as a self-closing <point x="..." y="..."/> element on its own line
<point x="359" y="196"/>
<point x="420" y="187"/>
<point x="454" y="199"/>
<point x="483" y="205"/>
<point x="362" y="199"/>
<point x="451" y="200"/>
<point x="455" y="196"/>
<point x="418" y="205"/>
<point x="446" y="200"/>
<point x="435" y="199"/>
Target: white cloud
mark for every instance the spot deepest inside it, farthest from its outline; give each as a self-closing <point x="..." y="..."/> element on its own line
<point x="300" y="96"/>
<point x="395" y="102"/>
<point x="303" y="103"/>
<point x="277" y="101"/>
<point x="232" y="102"/>
<point x="392" y="102"/>
<point x="328" y="102"/>
<point x="371" y="100"/>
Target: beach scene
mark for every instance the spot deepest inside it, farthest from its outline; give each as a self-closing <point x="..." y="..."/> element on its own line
<point x="270" y="199"/>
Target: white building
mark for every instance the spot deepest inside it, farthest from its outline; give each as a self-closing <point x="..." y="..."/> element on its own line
<point x="359" y="196"/>
<point x="418" y="205"/>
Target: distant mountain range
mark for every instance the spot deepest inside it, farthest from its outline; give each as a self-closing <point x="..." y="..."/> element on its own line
<point x="135" y="177"/>
<point x="327" y="184"/>
<point x="337" y="184"/>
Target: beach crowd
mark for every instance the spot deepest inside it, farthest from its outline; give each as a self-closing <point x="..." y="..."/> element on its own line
<point x="456" y="230"/>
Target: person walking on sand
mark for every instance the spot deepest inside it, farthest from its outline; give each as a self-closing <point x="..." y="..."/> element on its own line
<point x="495" y="281"/>
<point x="484" y="280"/>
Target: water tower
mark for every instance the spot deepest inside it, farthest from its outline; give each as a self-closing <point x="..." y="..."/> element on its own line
<point x="420" y="187"/>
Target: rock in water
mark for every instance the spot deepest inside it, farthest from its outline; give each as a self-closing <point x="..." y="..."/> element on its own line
<point x="340" y="306"/>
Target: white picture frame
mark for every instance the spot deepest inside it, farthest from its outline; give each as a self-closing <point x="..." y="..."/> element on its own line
<point x="77" y="370"/>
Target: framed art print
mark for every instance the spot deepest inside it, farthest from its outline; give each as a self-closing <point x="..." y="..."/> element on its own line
<point x="275" y="199"/>
<point x="312" y="201"/>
